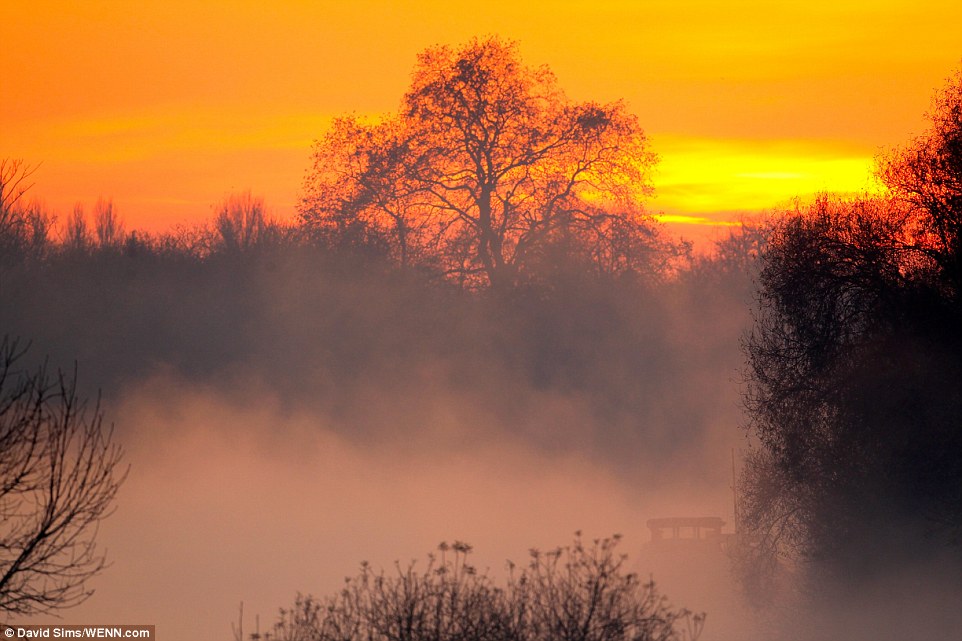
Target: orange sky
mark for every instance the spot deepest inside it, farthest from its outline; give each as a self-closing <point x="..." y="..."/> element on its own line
<point x="169" y="106"/>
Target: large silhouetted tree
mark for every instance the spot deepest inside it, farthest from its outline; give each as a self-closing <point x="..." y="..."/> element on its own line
<point x="855" y="367"/>
<point x="486" y="167"/>
<point x="58" y="478"/>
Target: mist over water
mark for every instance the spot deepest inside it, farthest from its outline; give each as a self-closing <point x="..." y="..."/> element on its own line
<point x="287" y="416"/>
<point x="233" y="512"/>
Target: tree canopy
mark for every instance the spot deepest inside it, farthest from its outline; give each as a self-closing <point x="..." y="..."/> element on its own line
<point x="926" y="176"/>
<point x="486" y="171"/>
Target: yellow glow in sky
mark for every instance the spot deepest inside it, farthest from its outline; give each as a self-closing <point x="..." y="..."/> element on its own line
<point x="722" y="176"/>
<point x="168" y="106"/>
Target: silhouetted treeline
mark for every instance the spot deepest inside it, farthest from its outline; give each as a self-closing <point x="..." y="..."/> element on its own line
<point x="613" y="363"/>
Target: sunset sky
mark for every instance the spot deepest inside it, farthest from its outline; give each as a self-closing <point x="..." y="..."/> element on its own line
<point x="167" y="107"/>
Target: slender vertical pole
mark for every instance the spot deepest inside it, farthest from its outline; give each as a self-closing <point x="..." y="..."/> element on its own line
<point x="734" y="493"/>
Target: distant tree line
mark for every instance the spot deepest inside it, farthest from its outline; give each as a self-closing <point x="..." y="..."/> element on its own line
<point x="31" y="234"/>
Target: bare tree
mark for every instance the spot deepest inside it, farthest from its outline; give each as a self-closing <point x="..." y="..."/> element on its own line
<point x="241" y="222"/>
<point x="107" y="224"/>
<point x="76" y="235"/>
<point x="19" y="225"/>
<point x="59" y="474"/>
<point x="14" y="183"/>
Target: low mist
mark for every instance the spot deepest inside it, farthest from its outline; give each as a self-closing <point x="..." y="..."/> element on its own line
<point x="286" y="417"/>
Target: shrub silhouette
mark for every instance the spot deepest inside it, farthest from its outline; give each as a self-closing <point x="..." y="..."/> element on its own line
<point x="574" y="593"/>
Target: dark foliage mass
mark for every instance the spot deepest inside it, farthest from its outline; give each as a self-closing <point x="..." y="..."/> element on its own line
<point x="855" y="370"/>
<point x="576" y="593"/>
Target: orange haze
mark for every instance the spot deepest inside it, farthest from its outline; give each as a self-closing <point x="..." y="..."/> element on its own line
<point x="168" y="106"/>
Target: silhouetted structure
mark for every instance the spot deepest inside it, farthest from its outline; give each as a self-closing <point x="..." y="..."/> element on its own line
<point x="696" y="528"/>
